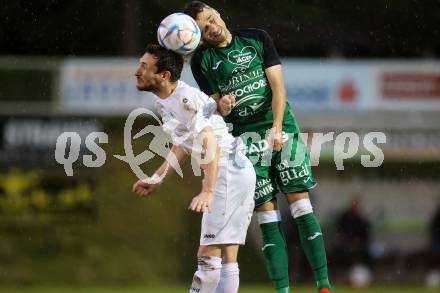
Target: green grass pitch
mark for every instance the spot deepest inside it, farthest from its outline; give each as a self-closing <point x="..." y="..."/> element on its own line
<point x="184" y="289"/>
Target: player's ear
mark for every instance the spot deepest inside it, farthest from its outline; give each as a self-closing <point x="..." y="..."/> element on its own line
<point x="166" y="75"/>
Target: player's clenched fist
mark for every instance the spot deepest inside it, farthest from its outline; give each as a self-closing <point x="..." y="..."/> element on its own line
<point x="202" y="202"/>
<point x="226" y="104"/>
<point x="276" y="138"/>
<point x="143" y="189"/>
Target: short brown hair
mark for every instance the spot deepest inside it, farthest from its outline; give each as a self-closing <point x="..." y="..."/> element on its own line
<point x="193" y="8"/>
<point x="166" y="60"/>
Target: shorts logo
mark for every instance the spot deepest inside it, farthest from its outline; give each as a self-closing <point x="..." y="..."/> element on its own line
<point x="209" y="236"/>
<point x="288" y="173"/>
<point x="262" y="146"/>
<point x="263" y="188"/>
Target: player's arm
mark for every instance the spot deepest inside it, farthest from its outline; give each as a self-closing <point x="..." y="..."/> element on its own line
<point x="274" y="75"/>
<point x="166" y="168"/>
<point x="203" y="201"/>
<point x="147" y="186"/>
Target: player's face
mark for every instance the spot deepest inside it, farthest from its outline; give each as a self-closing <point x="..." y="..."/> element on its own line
<point x="146" y="74"/>
<point x="213" y="27"/>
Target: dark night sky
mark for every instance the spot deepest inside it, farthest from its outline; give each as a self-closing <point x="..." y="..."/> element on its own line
<point x="312" y="28"/>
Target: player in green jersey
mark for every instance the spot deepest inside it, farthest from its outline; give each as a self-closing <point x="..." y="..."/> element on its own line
<point x="241" y="69"/>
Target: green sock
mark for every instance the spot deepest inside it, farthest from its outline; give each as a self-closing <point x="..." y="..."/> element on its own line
<point x="275" y="255"/>
<point x="283" y="290"/>
<point x="312" y="243"/>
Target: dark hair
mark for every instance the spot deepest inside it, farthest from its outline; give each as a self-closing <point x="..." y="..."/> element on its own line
<point x="166" y="60"/>
<point x="194" y="7"/>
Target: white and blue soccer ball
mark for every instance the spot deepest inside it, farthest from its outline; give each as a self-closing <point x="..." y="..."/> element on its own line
<point x="179" y="32"/>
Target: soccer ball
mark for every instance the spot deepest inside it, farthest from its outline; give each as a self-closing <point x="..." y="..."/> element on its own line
<point x="179" y="32"/>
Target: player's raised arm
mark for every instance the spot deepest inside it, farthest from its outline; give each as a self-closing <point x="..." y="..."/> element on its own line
<point x="147" y="186"/>
<point x="203" y="200"/>
<point x="274" y="75"/>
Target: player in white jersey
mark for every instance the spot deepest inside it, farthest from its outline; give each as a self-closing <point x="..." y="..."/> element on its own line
<point x="226" y="198"/>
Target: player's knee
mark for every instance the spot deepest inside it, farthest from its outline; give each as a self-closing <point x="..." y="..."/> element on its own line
<point x="267" y="206"/>
<point x="208" y="273"/>
<point x="301" y="207"/>
<point x="209" y="263"/>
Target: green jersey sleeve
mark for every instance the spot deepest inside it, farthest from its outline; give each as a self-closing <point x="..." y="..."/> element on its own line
<point x="200" y="68"/>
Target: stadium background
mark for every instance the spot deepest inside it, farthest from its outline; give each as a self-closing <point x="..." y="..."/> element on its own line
<point x="356" y="66"/>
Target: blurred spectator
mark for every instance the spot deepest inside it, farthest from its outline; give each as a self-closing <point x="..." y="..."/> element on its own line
<point x="353" y="236"/>
<point x="434" y="231"/>
<point x="352" y="243"/>
<point x="432" y="279"/>
<point x="434" y="248"/>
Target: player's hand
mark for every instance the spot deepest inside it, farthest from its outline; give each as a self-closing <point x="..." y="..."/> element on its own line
<point x="225" y="104"/>
<point x="143" y="189"/>
<point x="276" y="138"/>
<point x="202" y="202"/>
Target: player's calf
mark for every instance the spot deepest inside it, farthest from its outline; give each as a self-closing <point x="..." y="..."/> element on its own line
<point x="311" y="240"/>
<point x="274" y="248"/>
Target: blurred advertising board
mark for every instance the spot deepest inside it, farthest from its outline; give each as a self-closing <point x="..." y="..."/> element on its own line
<point x="314" y="85"/>
<point x="400" y="145"/>
<point x="413" y="85"/>
<point x="33" y="189"/>
<point x="31" y="141"/>
<point x="104" y="86"/>
<point x="326" y="85"/>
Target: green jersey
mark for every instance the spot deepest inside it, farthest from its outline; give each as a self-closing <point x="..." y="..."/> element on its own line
<point x="239" y="69"/>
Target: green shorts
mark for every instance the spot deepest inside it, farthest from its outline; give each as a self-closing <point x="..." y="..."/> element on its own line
<point x="287" y="170"/>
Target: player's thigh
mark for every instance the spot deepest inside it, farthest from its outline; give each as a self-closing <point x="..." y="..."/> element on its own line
<point x="261" y="157"/>
<point x="295" y="196"/>
<point x="292" y="167"/>
<point x="229" y="253"/>
<point x="267" y="206"/>
<point x="265" y="185"/>
<point x="209" y="250"/>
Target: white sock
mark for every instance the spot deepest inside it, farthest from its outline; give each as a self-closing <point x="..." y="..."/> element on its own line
<point x="207" y="276"/>
<point x="268" y="216"/>
<point x="301" y="207"/>
<point x="229" y="279"/>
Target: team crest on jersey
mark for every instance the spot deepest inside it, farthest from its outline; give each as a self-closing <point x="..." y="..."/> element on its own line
<point x="242" y="58"/>
<point x="189" y="104"/>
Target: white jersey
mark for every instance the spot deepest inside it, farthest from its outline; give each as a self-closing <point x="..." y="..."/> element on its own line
<point x="186" y="112"/>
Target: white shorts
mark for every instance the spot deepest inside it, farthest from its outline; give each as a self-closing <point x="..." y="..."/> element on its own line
<point x="233" y="203"/>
